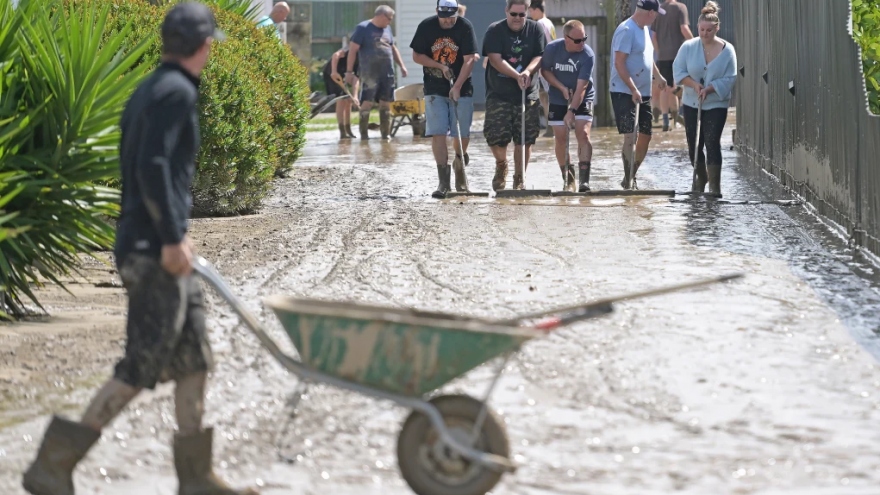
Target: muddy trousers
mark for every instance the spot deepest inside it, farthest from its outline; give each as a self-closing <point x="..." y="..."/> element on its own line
<point x="708" y="166"/>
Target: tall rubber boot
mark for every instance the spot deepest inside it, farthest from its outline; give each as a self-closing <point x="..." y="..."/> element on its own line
<point x="499" y="182"/>
<point x="443" y="186"/>
<point x="64" y="445"/>
<point x="571" y="178"/>
<point x="348" y="131"/>
<point x="461" y="184"/>
<point x="714" y="172"/>
<point x="584" y="176"/>
<point x="626" y="183"/>
<point x="342" y="133"/>
<point x="364" y="125"/>
<point x="700" y="178"/>
<point x="192" y="460"/>
<point x="385" y="123"/>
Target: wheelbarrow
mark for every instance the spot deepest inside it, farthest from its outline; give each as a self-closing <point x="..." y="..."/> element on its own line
<point x="408" y="107"/>
<point x="449" y="444"/>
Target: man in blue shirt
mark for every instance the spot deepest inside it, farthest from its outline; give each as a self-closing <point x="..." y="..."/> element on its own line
<point x="633" y="64"/>
<point x="372" y="44"/>
<point x="567" y="66"/>
<point x="278" y="15"/>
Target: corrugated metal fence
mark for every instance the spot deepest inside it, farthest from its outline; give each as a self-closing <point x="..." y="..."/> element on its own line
<point x="802" y="111"/>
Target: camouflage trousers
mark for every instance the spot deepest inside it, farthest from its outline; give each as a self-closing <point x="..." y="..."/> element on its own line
<point x="166" y="331"/>
<point x="504" y="122"/>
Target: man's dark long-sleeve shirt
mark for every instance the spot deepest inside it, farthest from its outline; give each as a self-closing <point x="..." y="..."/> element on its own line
<point x="160" y="139"/>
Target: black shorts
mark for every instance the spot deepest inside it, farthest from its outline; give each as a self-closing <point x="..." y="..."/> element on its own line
<point x="625" y="113"/>
<point x="378" y="89"/>
<point x="557" y="113"/>
<point x="166" y="334"/>
<point x="332" y="87"/>
<point x="665" y="67"/>
<point x="503" y="122"/>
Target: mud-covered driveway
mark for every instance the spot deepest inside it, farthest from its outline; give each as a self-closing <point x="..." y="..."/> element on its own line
<point x="765" y="385"/>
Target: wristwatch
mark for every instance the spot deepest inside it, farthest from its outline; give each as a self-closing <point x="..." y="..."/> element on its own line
<point x="572" y="109"/>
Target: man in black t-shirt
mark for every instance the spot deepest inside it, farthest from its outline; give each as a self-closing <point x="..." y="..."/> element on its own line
<point x="514" y="47"/>
<point x="445" y="45"/>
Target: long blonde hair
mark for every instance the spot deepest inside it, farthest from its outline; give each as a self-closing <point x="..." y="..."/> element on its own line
<point x="710" y="13"/>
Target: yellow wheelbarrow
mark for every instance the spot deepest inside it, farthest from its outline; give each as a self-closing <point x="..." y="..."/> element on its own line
<point x="408" y="108"/>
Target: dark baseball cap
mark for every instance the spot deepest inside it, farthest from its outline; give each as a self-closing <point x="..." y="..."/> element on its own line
<point x="650" y="5"/>
<point x="187" y="25"/>
<point x="447" y="8"/>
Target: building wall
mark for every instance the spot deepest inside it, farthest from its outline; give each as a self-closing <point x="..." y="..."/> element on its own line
<point x="408" y="15"/>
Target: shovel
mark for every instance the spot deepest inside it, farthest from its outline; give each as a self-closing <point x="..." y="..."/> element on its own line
<point x="458" y="164"/>
<point x="550" y="320"/>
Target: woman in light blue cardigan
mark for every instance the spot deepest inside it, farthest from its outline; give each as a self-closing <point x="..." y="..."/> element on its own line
<point x="706" y="67"/>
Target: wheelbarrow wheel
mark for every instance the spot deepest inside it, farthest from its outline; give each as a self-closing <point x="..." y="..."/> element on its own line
<point x="432" y="468"/>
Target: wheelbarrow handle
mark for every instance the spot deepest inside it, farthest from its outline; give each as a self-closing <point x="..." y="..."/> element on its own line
<point x="571" y="314"/>
<point x="210" y="275"/>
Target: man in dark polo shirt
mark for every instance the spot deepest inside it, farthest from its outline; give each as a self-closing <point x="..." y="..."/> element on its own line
<point x="513" y="46"/>
<point x="670" y="32"/>
<point x="166" y="335"/>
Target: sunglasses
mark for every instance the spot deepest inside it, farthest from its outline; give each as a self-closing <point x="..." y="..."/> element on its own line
<point x="517" y="14"/>
<point x="577" y="41"/>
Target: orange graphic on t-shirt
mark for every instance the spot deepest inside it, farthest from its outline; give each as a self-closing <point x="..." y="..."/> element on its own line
<point x="445" y="51"/>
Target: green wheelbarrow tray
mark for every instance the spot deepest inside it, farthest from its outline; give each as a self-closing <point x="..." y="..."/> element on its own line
<point x="404" y="355"/>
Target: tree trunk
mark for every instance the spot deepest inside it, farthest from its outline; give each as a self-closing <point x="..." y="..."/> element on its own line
<point x="622" y="11"/>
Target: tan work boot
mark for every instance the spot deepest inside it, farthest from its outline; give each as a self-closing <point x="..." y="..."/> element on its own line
<point x="518" y="182"/>
<point x="64" y="445"/>
<point x="192" y="460"/>
<point x="499" y="182"/>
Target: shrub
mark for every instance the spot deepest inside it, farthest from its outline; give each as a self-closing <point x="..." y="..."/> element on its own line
<point x="866" y="31"/>
<point x="288" y="81"/>
<point x="65" y="88"/>
<point x="237" y="157"/>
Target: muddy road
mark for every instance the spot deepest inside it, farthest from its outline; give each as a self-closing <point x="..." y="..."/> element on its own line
<point x="766" y="385"/>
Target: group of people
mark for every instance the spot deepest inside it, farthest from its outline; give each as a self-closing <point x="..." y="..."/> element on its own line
<point x="655" y="59"/>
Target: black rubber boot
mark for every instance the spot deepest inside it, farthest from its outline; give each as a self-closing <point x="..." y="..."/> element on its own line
<point x="700" y="178"/>
<point x="626" y="183"/>
<point x="499" y="182"/>
<point x="192" y="460"/>
<point x="385" y="123"/>
<point x="714" y="172"/>
<point x="584" y="176"/>
<point x="342" y="133"/>
<point x="64" y="445"/>
<point x="443" y="187"/>
<point x="348" y="131"/>
<point x="364" y="125"/>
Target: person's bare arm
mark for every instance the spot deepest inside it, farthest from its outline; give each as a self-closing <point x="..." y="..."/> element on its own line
<point x="553" y="81"/>
<point x="623" y="72"/>
<point x="426" y="61"/>
<point x="334" y="61"/>
<point x="686" y="32"/>
<point x="399" y="59"/>
<point x="580" y="92"/>
<point x="353" y="49"/>
<point x="466" y="70"/>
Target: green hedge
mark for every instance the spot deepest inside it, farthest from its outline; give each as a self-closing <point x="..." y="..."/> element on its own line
<point x="866" y="31"/>
<point x="67" y="67"/>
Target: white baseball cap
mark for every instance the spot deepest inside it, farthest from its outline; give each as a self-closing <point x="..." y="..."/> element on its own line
<point x="447" y="8"/>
